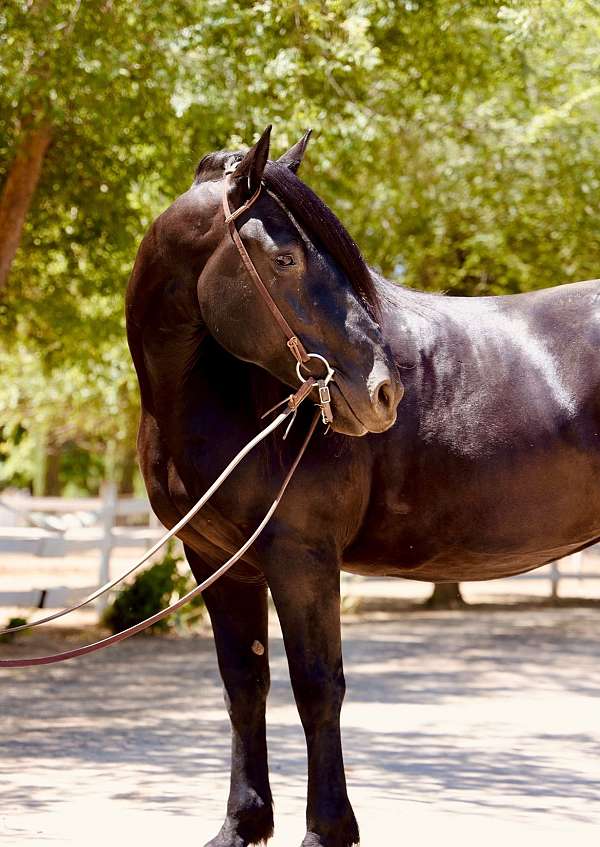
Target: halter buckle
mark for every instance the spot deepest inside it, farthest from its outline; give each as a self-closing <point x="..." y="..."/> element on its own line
<point x="322" y="385"/>
<point x="325" y="402"/>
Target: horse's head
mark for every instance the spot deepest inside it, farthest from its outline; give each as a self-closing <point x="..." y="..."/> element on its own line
<point x="313" y="271"/>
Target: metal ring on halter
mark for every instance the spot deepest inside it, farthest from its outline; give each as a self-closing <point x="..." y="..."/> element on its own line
<point x="330" y="371"/>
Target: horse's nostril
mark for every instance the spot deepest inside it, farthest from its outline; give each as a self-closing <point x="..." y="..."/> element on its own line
<point x="384" y="394"/>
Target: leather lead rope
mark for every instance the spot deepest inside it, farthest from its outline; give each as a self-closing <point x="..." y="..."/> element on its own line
<point x="292" y="402"/>
<point x="139" y="627"/>
<point x="293" y="342"/>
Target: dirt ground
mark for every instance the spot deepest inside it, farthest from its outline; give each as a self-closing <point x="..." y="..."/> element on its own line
<point x="457" y="726"/>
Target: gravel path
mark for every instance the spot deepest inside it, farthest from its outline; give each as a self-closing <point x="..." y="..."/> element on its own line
<point x="457" y="726"/>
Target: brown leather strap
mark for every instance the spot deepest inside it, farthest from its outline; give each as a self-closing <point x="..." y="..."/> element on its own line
<point x="292" y="403"/>
<point x="127" y="633"/>
<point x="231" y="216"/>
<point x="295" y="399"/>
<point x="293" y="342"/>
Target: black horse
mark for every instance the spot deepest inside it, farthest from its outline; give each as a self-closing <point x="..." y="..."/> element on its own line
<point x="491" y="468"/>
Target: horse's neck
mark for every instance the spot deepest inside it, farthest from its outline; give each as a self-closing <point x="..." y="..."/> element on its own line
<point x="170" y="356"/>
<point x="413" y="322"/>
<point x="194" y="382"/>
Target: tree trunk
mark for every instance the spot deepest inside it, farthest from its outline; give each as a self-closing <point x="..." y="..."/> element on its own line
<point x="127" y="472"/>
<point x="18" y="191"/>
<point x="52" y="472"/>
<point x="46" y="482"/>
<point x="445" y="595"/>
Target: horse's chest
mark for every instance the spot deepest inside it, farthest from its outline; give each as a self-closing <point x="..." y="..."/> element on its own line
<point x="175" y="480"/>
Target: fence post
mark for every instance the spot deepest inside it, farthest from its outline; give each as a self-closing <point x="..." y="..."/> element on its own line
<point x="154" y="523"/>
<point x="554" y="579"/>
<point x="577" y="559"/>
<point x="108" y="493"/>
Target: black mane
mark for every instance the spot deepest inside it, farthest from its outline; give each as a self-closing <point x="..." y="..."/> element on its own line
<point x="312" y="214"/>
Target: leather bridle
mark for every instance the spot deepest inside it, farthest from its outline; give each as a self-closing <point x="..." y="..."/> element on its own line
<point x="293" y="343"/>
<point x="54" y="658"/>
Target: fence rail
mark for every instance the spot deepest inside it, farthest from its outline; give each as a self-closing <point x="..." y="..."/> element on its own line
<point x="59" y="526"/>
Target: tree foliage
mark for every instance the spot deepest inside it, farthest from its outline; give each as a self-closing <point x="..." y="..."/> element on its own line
<point x="457" y="141"/>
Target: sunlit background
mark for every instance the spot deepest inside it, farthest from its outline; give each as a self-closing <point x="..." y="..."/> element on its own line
<point x="458" y="141"/>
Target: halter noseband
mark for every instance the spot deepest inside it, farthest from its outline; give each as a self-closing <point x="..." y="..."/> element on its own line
<point x="293" y="343"/>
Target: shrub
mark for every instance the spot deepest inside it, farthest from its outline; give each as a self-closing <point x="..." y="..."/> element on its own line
<point x="154" y="589"/>
<point x="10" y="636"/>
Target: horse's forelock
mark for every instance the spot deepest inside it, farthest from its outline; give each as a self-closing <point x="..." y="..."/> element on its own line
<point x="323" y="226"/>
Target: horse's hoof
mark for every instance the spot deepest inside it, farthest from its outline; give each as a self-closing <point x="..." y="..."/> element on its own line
<point x="313" y="840"/>
<point x="344" y="835"/>
<point x="227" y="837"/>
<point x="256" y="833"/>
<point x="227" y="841"/>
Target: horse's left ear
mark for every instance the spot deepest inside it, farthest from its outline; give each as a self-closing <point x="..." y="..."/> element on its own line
<point x="293" y="157"/>
<point x="248" y="173"/>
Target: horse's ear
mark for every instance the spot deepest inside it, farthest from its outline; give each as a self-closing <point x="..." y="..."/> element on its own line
<point x="293" y="158"/>
<point x="249" y="171"/>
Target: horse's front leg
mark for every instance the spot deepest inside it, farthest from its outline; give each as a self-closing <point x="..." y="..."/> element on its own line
<point x="238" y="613"/>
<point x="305" y="585"/>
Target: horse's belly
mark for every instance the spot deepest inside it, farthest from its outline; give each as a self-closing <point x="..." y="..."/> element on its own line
<point x="483" y="523"/>
<point x="465" y="565"/>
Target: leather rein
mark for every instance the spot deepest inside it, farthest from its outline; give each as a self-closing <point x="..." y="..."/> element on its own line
<point x="292" y="403"/>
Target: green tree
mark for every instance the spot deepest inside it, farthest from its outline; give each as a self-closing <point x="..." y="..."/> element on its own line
<point x="457" y="141"/>
<point x="86" y="123"/>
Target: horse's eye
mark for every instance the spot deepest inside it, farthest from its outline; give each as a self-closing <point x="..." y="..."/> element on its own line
<point x="285" y="261"/>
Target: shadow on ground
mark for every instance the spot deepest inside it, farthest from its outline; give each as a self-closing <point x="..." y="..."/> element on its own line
<point x="458" y="709"/>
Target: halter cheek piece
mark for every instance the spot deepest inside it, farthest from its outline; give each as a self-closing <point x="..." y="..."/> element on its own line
<point x="293" y="343"/>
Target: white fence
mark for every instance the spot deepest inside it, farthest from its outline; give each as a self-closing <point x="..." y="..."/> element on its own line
<point x="59" y="526"/>
<point x="571" y="567"/>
